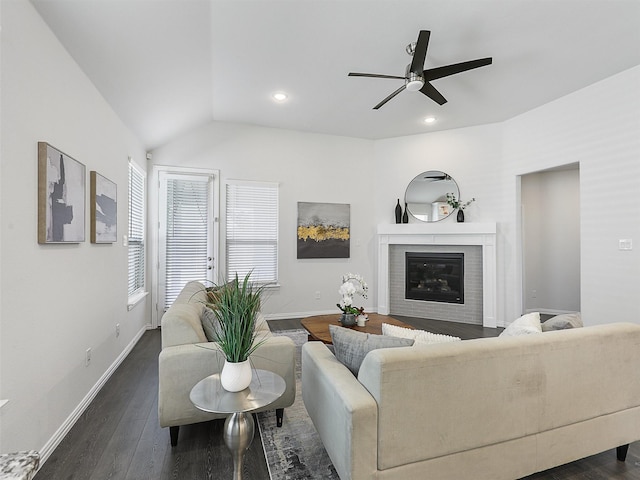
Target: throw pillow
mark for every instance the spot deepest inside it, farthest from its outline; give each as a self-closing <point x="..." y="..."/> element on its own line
<point x="209" y="324"/>
<point x="428" y="338"/>
<point x="350" y="347"/>
<point x="525" y="325"/>
<point x="560" y="322"/>
<point x="400" y="332"/>
<point x="420" y="337"/>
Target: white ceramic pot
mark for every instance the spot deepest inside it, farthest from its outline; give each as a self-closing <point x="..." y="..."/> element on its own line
<point x="235" y="376"/>
<point x="362" y="320"/>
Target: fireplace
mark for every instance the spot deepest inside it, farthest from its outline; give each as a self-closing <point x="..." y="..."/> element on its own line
<point x="434" y="277"/>
<point x="478" y="243"/>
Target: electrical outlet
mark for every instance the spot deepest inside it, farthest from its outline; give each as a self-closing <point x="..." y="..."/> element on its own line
<point x="318" y="295"/>
<point x="117" y="329"/>
<point x="87" y="358"/>
<point x="534" y="294"/>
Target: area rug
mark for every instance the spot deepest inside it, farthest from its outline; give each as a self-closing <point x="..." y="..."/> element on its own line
<point x="294" y="451"/>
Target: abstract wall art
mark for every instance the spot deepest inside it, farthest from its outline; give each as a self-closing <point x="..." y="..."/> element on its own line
<point x="103" y="194"/>
<point x="323" y="230"/>
<point x="61" y="197"/>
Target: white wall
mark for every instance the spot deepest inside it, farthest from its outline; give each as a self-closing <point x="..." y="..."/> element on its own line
<point x="597" y="127"/>
<point x="551" y="241"/>
<point x="57" y="300"/>
<point x="309" y="168"/>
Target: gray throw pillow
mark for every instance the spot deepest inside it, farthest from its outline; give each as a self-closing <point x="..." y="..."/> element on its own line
<point x="560" y="322"/>
<point x="209" y="324"/>
<point x="350" y="347"/>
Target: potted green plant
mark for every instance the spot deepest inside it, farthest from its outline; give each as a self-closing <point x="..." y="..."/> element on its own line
<point x="236" y="306"/>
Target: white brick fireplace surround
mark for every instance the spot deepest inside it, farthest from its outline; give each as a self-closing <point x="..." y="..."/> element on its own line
<point x="481" y="234"/>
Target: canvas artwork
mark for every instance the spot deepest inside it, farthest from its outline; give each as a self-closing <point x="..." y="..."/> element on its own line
<point x="323" y="230"/>
<point x="61" y="197"/>
<point x="104" y="203"/>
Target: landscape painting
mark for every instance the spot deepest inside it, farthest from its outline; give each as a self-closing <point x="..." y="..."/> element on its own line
<point x="323" y="230"/>
<point x="104" y="197"/>
<point x="61" y="197"/>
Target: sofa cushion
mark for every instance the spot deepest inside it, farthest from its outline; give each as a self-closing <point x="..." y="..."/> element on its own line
<point x="350" y="347"/>
<point x="420" y="337"/>
<point x="560" y="322"/>
<point x="209" y="324"/>
<point x="525" y="325"/>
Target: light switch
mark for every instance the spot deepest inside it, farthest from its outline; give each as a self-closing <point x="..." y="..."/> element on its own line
<point x="625" y="244"/>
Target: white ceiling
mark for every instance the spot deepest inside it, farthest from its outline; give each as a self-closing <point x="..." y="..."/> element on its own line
<point x="168" y="66"/>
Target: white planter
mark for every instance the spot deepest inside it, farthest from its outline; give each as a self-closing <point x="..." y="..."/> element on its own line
<point x="235" y="376"/>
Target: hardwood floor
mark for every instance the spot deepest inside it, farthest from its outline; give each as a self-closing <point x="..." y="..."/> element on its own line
<point x="118" y="436"/>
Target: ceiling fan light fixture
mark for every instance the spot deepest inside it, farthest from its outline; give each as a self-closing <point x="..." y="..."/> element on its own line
<point x="414" y="82"/>
<point x="429" y="120"/>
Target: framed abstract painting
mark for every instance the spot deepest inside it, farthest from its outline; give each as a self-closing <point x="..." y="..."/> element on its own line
<point x="103" y="204"/>
<point x="61" y="197"/>
<point x="323" y="230"/>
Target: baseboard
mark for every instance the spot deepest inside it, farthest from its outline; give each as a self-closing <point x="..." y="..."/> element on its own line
<point x="64" y="429"/>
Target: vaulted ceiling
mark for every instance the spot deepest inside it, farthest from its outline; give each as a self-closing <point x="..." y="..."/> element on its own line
<point x="169" y="66"/>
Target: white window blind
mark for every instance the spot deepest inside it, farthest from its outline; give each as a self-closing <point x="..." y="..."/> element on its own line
<point x="187" y="228"/>
<point x="136" y="230"/>
<point x="252" y="231"/>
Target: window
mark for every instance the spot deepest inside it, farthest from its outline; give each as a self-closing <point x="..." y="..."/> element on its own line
<point x="136" y="231"/>
<point x="252" y="231"/>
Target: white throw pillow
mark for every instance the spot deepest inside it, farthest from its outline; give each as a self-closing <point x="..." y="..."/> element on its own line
<point x="400" y="332"/>
<point x="421" y="337"/>
<point x="525" y="325"/>
<point x="428" y="338"/>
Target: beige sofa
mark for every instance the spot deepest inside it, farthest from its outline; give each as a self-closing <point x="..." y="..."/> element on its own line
<point x="187" y="357"/>
<point x="492" y="408"/>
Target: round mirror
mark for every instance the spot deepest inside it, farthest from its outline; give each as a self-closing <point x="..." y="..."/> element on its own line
<point x="426" y="196"/>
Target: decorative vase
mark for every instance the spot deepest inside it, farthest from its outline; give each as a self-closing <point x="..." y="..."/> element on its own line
<point x="361" y="320"/>
<point x="348" y="319"/>
<point x="460" y="217"/>
<point x="235" y="376"/>
<point x="405" y="216"/>
<point x="398" y="212"/>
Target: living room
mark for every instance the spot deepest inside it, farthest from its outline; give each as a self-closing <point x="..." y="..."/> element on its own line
<point x="59" y="300"/>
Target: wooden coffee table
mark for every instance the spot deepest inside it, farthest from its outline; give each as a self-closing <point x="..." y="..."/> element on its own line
<point x="318" y="326"/>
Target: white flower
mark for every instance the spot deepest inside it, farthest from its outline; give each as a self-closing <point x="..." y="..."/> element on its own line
<point x="347" y="289"/>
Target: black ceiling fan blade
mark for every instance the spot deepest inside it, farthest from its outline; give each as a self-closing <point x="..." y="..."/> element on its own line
<point x="389" y="97"/>
<point x="431" y="92"/>
<point x="420" y="52"/>
<point x="439" y="72"/>
<point x="374" y="75"/>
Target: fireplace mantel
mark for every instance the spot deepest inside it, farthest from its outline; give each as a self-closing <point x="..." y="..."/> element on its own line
<point x="482" y="234"/>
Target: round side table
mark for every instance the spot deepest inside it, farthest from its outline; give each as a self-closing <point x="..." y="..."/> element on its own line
<point x="209" y="396"/>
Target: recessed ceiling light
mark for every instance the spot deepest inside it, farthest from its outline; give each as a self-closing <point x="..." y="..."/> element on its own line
<point x="279" y="96"/>
<point x="429" y="120"/>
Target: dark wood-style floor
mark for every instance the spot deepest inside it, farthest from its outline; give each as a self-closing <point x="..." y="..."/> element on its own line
<point x="118" y="436"/>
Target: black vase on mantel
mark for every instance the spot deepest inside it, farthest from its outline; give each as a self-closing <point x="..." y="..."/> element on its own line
<point x="405" y="216"/>
<point x="398" y="212"/>
<point x="460" y="217"/>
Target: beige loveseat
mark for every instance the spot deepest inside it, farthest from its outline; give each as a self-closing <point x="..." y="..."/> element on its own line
<point x="187" y="357"/>
<point x="492" y="408"/>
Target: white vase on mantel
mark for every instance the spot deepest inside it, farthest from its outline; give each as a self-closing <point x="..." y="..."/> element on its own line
<point x="235" y="377"/>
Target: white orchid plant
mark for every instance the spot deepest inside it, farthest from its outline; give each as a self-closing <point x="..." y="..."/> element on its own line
<point x="352" y="284"/>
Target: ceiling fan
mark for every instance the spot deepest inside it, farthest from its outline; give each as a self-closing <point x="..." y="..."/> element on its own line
<point x="418" y="79"/>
